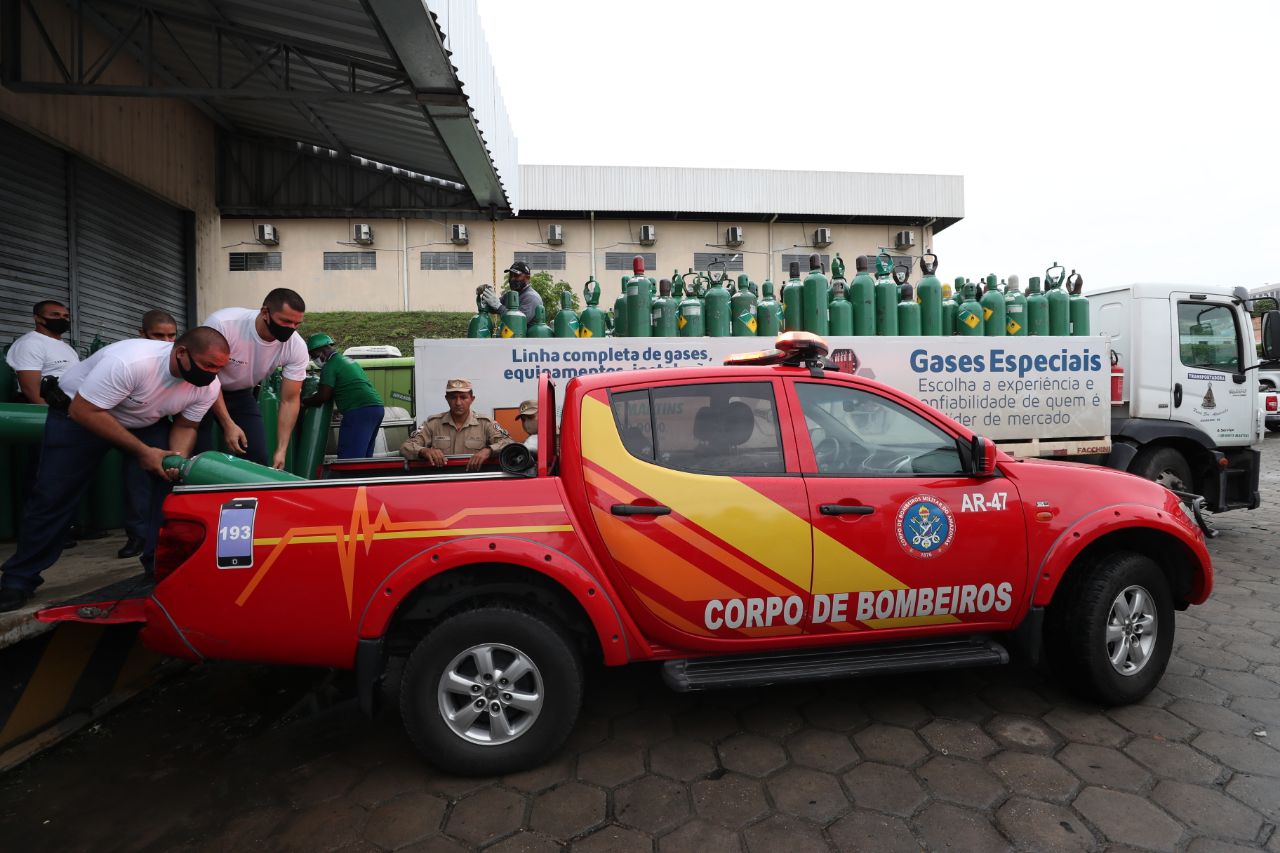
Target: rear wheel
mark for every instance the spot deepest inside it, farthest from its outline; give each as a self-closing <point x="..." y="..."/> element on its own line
<point x="1165" y="466"/>
<point x="1111" y="632"/>
<point x="492" y="690"/>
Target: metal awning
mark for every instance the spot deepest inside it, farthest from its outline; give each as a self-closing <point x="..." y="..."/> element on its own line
<point x="369" y="82"/>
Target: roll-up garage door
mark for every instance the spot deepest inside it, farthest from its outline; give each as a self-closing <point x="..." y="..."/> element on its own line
<point x="130" y="256"/>
<point x="34" y="254"/>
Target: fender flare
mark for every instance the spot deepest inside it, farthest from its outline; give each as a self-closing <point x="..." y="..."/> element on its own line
<point x="592" y="594"/>
<point x="1111" y="519"/>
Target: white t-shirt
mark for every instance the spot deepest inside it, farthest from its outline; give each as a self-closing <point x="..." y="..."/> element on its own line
<point x="34" y="351"/>
<point x="132" y="379"/>
<point x="252" y="358"/>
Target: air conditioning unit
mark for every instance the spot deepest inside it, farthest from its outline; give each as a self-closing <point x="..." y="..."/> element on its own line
<point x="458" y="234"/>
<point x="268" y="235"/>
<point x="648" y="235"/>
<point x="555" y="234"/>
<point x="904" y="239"/>
<point x="822" y="237"/>
<point x="363" y="234"/>
<point x="735" y="235"/>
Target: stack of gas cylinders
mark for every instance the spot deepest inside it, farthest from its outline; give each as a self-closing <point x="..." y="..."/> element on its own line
<point x="700" y="304"/>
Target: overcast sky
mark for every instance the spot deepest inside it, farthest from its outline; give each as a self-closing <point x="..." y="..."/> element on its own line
<point x="1133" y="141"/>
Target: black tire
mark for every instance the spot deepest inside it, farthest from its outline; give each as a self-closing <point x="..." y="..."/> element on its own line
<point x="1077" y="627"/>
<point x="1165" y="466"/>
<point x="557" y="677"/>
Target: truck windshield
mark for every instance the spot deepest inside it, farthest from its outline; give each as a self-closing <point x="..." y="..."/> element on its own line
<point x="1208" y="336"/>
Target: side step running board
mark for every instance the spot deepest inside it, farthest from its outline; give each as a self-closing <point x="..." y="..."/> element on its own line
<point x="846" y="662"/>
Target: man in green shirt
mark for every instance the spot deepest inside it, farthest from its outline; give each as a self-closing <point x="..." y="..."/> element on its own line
<point x="344" y="382"/>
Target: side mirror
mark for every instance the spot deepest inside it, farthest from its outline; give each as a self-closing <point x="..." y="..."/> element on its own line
<point x="1271" y="335"/>
<point x="982" y="454"/>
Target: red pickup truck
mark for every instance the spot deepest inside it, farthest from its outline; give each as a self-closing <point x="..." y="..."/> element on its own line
<point x="767" y="521"/>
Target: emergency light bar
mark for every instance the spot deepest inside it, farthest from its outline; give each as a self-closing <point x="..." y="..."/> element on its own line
<point x="791" y="348"/>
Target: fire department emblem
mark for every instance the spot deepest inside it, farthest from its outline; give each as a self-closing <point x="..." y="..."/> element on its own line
<point x="925" y="526"/>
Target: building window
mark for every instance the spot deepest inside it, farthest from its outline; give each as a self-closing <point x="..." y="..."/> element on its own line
<point x="446" y="261"/>
<point x="803" y="261"/>
<point x="622" y="260"/>
<point x="253" y="262"/>
<point x="702" y="261"/>
<point x="542" y="260"/>
<point x="350" y="260"/>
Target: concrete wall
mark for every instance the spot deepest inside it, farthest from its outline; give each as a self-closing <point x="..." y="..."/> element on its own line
<point x="164" y="146"/>
<point x="303" y="243"/>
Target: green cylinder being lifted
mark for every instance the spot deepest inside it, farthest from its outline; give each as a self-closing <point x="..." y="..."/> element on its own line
<point x="639" y="301"/>
<point x="909" y="313"/>
<point x="591" y="322"/>
<point x="1078" y="307"/>
<point x="666" y="312"/>
<point x="814" y="298"/>
<point x="862" y="297"/>
<point x="886" y="297"/>
<point x="768" y="312"/>
<point x="793" y="300"/>
<point x="930" y="293"/>
<point x="840" y="311"/>
<point x="993" y="316"/>
<point x="743" y="307"/>
<point x="539" y="328"/>
<point x="1015" y="309"/>
<point x="514" y="323"/>
<point x="212" y="468"/>
<point x="1059" y="301"/>
<point x="969" y="317"/>
<point x="480" y="326"/>
<point x="566" y="322"/>
<point x="837" y="279"/>
<point x="22" y="423"/>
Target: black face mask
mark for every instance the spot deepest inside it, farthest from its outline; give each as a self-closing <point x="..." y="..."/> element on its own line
<point x="58" y="325"/>
<point x="280" y="333"/>
<point x="195" y="374"/>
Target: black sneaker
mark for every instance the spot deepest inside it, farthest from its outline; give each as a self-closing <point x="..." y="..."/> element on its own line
<point x="13" y="599"/>
<point x="132" y="548"/>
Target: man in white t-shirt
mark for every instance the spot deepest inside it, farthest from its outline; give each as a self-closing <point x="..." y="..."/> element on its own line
<point x="42" y="353"/>
<point x="121" y="396"/>
<point x="261" y="341"/>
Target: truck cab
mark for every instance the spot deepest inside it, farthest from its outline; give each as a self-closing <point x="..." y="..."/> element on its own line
<point x="1188" y="416"/>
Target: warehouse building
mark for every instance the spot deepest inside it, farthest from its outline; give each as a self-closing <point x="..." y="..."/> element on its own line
<point x="580" y="221"/>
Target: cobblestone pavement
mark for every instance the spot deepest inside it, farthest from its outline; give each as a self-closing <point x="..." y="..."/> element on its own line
<point x="227" y="758"/>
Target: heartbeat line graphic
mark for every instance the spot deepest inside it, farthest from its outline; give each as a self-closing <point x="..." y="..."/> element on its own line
<point x="364" y="530"/>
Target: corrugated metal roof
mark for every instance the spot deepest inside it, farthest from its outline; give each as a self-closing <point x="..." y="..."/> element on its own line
<point x="745" y="191"/>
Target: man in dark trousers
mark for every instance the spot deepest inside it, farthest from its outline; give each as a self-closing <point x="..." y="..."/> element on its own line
<point x="261" y="340"/>
<point x="344" y="382"/>
<point x="122" y="396"/>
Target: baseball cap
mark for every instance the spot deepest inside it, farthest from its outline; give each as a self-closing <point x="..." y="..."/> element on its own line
<point x="528" y="408"/>
<point x="519" y="268"/>
<point x="457" y="385"/>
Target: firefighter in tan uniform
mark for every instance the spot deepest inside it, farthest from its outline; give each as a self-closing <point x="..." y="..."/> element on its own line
<point x="456" y="432"/>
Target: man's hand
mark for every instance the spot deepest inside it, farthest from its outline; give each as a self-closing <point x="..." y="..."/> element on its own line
<point x="277" y="461"/>
<point x="237" y="441"/>
<point x="433" y="456"/>
<point x="152" y="461"/>
<point x="478" y="459"/>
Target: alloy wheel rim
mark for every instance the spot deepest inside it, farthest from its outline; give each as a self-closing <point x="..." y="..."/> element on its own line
<point x="1131" y="630"/>
<point x="490" y="694"/>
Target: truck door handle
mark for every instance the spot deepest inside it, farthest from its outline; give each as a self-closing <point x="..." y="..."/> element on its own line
<point x="1177" y="394"/>
<point x="638" y="509"/>
<point x="845" y="509"/>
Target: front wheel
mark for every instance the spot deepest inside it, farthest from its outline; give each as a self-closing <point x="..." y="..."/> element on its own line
<point x="1113" y="629"/>
<point x="490" y="691"/>
<point x="1165" y="466"/>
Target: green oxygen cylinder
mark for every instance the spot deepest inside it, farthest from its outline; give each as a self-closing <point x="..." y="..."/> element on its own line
<point x="690" y="323"/>
<point x="930" y="292"/>
<point x="1078" y="306"/>
<point x="311" y="436"/>
<point x="837" y="275"/>
<point x="814" y="298"/>
<point x="566" y="322"/>
<point x="1037" y="308"/>
<point x="620" y="311"/>
<point x="910" y="315"/>
<point x="212" y="468"/>
<point x="480" y="327"/>
<point x="862" y="296"/>
<point x="718" y="307"/>
<point x="1015" y="309"/>
<point x="639" y="301"/>
<point x="591" y="322"/>
<point x="1059" y="301"/>
<point x="840" y="311"/>
<point x="969" y="317"/>
<point x="269" y="407"/>
<point x="950" y="308"/>
<point x="514" y="323"/>
<point x="666" y="312"/>
<point x="793" y="300"/>
<point x="768" y="313"/>
<point x="993" y="318"/>
<point x="677" y="285"/>
<point x="886" y="297"/>
<point x="743" y="306"/>
<point x="539" y="328"/>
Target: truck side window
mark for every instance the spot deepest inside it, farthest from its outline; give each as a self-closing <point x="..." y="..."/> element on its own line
<point x="859" y="434"/>
<point x="635" y="424"/>
<point x="1208" y="336"/>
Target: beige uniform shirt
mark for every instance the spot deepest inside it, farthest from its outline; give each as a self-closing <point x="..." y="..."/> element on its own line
<point x="439" y="432"/>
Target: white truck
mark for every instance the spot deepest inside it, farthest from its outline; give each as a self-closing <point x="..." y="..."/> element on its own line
<point x="1188" y="415"/>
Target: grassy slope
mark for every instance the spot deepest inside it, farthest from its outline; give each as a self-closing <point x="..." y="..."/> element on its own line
<point x="397" y="328"/>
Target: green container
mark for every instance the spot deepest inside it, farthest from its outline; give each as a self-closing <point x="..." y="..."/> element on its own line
<point x="108" y="487"/>
<point x="814" y="298"/>
<point x="620" y="312"/>
<point x="269" y="407"/>
<point x="666" y="312"/>
<point x="969" y="317"/>
<point x="862" y="296"/>
<point x="639" y="302"/>
<point x="717" y="307"/>
<point x="1037" y="308"/>
<point x="768" y="313"/>
<point x="22" y="423"/>
<point x="840" y="311"/>
<point x="909" y="314"/>
<point x="1059" y="310"/>
<point x="392" y="378"/>
<point x="930" y="293"/>
<point x="480" y="325"/>
<point x="1078" y="307"/>
<point x="592" y="320"/>
<point x="793" y="300"/>
<point x="691" y="323"/>
<point x="566" y="322"/>
<point x="215" y="469"/>
<point x="310" y="434"/>
<point x="993" y="317"/>
<point x="886" y="297"/>
<point x="950" y="308"/>
<point x="539" y="328"/>
<point x="1015" y="309"/>
<point x="514" y="323"/>
<point x="743" y="307"/>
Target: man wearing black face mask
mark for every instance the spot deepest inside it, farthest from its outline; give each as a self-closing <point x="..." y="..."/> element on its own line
<point x="518" y="280"/>
<point x="261" y="341"/>
<point x="42" y="353"/>
<point x="120" y="396"/>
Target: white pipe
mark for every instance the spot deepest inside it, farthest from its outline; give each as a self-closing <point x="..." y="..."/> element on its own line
<point x="769" y="274"/>
<point x="593" y="244"/>
<point x="404" y="260"/>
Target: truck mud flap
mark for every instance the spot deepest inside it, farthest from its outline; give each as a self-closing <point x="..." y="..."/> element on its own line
<point x="809" y="665"/>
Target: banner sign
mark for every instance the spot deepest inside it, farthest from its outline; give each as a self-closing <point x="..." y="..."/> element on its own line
<point x="1008" y="389"/>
